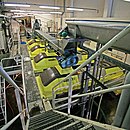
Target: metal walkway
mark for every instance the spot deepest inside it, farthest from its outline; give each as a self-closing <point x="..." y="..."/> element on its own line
<point x="54" y="121"/>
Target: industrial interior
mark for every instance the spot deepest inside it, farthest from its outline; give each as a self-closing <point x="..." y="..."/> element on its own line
<point x="64" y="65"/>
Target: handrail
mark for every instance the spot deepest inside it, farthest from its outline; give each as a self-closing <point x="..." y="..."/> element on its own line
<point x="24" y="88"/>
<point x="17" y="95"/>
<point x="126" y="86"/>
<point x="8" y="78"/>
<point x="11" y="121"/>
<point x="115" y="39"/>
<point x="65" y="87"/>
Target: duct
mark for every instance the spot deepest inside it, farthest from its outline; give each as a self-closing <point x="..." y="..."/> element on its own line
<point x="72" y="5"/>
<point x="126" y="121"/>
<point x="123" y="105"/>
<point x="61" y="21"/>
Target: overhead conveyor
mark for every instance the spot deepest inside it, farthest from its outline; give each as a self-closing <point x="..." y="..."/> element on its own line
<point x="67" y="49"/>
<point x="53" y="42"/>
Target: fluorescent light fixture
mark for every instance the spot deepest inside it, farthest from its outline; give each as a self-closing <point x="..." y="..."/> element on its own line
<point x="49" y="7"/>
<point x="41" y="14"/>
<point x="74" y="9"/>
<point x="55" y="12"/>
<point x="28" y="11"/>
<point x="127" y="0"/>
<point x="21" y="11"/>
<point x="18" y="5"/>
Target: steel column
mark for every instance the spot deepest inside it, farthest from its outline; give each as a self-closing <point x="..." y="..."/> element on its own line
<point x="69" y="94"/>
<point x="123" y="104"/>
<point x="18" y="99"/>
<point x="126" y="124"/>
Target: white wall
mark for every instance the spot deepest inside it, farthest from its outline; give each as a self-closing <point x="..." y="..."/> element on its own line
<point x="121" y="9"/>
<point x="45" y="21"/>
<point x="95" y="4"/>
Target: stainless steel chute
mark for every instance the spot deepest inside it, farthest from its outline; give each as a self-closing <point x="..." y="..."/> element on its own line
<point x="100" y="31"/>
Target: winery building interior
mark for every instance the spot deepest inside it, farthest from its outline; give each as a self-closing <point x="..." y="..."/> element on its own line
<point x="64" y="65"/>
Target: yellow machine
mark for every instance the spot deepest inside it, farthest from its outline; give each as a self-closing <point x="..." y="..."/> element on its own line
<point x="35" y="51"/>
<point x="35" y="46"/>
<point x="50" y="77"/>
<point x="44" y="60"/>
<point x="34" y="42"/>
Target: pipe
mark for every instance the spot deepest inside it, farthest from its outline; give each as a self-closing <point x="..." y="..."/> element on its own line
<point x="126" y="122"/>
<point x="72" y="5"/>
<point x="61" y="21"/>
<point x="123" y="104"/>
<point x="8" y="78"/>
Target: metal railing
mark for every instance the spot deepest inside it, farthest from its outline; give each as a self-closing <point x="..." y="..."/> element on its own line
<point x="12" y="121"/>
<point x="19" y="69"/>
<point x="115" y="39"/>
<point x="102" y="79"/>
<point x="3" y="113"/>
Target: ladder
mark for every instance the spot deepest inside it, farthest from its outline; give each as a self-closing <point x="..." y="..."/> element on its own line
<point x="3" y="118"/>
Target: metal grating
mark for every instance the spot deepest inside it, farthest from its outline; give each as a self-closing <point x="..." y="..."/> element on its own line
<point x="53" y="121"/>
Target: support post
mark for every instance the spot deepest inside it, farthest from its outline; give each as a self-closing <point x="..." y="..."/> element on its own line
<point x="18" y="99"/>
<point x="69" y="94"/>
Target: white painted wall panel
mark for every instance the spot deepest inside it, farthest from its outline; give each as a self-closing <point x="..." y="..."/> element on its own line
<point x="97" y="4"/>
<point x="121" y="9"/>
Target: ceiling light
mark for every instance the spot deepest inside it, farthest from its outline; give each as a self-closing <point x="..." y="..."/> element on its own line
<point x="28" y="11"/>
<point x="22" y="11"/>
<point x="18" y="5"/>
<point x="19" y="13"/>
<point x="49" y="7"/>
<point x="42" y="14"/>
<point x="127" y="0"/>
<point x="55" y="12"/>
<point x="74" y="9"/>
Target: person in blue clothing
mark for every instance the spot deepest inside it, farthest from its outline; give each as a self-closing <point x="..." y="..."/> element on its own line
<point x="36" y="25"/>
